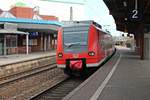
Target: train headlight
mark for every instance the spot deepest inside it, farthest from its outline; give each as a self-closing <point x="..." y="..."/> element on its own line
<point x="91" y="53"/>
<point x="60" y="55"/>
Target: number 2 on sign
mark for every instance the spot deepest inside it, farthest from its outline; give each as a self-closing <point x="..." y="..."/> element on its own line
<point x="135" y="14"/>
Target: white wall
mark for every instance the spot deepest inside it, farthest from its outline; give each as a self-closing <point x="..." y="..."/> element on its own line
<point x="147" y="46"/>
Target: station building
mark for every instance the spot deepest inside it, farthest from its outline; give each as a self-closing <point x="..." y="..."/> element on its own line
<point x="24" y="30"/>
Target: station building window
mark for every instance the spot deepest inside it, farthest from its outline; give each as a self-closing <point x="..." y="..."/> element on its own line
<point x="33" y="36"/>
<point x="11" y="44"/>
<point x="34" y="41"/>
<point x="11" y="41"/>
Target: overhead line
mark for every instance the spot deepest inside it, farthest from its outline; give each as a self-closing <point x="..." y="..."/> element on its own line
<point x="64" y="2"/>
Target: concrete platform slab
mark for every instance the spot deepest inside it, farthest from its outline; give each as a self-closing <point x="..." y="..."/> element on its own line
<point x="130" y="80"/>
<point x="10" y="59"/>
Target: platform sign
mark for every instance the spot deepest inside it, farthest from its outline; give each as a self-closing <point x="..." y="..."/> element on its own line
<point x="135" y="13"/>
<point x="33" y="34"/>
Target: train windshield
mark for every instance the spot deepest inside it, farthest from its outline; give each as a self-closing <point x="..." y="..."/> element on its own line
<point x="75" y="40"/>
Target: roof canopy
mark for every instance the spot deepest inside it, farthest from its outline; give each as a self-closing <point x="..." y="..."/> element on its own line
<point x="128" y="13"/>
<point x="30" y="25"/>
<point x="29" y="21"/>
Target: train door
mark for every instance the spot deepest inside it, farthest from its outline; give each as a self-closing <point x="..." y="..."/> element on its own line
<point x="146" y="48"/>
<point x="1" y="44"/>
<point x="99" y="44"/>
<point x="102" y="44"/>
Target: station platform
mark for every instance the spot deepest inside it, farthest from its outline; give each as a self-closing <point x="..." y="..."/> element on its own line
<point x="15" y="58"/>
<point x="124" y="77"/>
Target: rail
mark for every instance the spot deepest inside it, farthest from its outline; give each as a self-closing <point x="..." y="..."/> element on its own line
<point x="25" y="79"/>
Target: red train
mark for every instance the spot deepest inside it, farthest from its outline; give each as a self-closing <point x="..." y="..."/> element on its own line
<point x="82" y="45"/>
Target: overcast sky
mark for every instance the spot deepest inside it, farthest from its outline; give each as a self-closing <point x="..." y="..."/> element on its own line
<point x="93" y="10"/>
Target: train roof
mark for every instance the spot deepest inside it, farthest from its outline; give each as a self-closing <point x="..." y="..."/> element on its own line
<point x="80" y="23"/>
<point x="85" y="23"/>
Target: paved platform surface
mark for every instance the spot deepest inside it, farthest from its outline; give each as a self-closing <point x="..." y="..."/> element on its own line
<point x="14" y="58"/>
<point x="124" y="77"/>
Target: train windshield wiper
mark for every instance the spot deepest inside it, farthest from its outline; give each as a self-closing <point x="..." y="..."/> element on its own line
<point x="68" y="45"/>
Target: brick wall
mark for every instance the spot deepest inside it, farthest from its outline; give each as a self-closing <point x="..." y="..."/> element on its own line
<point x="47" y="17"/>
<point x="22" y="12"/>
<point x="26" y="12"/>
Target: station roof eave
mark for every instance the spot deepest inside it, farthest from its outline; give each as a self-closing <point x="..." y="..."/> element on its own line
<point x="127" y="13"/>
<point x="31" y="25"/>
<point x="3" y="31"/>
<point x="38" y="28"/>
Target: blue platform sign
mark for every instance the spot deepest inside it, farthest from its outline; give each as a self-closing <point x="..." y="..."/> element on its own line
<point x="33" y="34"/>
<point x="135" y="12"/>
<point x="135" y="15"/>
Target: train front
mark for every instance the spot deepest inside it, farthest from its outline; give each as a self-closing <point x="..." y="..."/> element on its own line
<point x="72" y="48"/>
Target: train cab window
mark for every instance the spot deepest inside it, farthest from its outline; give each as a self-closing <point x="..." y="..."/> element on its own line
<point x="76" y="40"/>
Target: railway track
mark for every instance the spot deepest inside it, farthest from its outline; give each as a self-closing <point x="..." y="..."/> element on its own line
<point x="23" y="80"/>
<point x="18" y="76"/>
<point x="61" y="90"/>
<point x="20" y="71"/>
<point x="30" y="80"/>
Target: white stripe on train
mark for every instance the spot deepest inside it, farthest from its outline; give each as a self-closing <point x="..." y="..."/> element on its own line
<point x="88" y="65"/>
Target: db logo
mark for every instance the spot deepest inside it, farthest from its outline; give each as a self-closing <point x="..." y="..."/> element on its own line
<point x="75" y="55"/>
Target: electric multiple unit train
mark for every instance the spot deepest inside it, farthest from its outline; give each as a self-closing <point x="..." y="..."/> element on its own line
<point x="82" y="45"/>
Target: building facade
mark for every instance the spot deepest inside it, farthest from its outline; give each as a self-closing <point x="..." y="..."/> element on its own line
<point x="24" y="30"/>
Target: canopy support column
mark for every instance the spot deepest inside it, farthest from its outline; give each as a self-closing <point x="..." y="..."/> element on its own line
<point x="27" y="44"/>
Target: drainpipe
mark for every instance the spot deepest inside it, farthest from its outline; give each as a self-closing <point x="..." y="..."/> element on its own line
<point x="4" y="45"/>
<point x="45" y="43"/>
<point x="27" y="43"/>
<point x="48" y="41"/>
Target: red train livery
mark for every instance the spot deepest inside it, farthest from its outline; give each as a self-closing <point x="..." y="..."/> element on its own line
<point x="82" y="45"/>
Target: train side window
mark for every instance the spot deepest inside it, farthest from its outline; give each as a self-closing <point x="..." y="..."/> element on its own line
<point x="102" y="42"/>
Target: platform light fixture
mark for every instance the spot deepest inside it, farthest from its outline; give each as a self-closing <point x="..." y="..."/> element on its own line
<point x="60" y="55"/>
<point x="91" y="53"/>
<point x="124" y="3"/>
